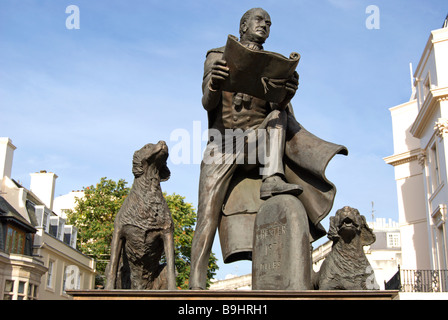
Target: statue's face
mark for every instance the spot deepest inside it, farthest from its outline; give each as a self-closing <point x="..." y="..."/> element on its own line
<point x="257" y="27"/>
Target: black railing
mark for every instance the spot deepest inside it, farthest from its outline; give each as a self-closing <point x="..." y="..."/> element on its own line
<point x="418" y="281"/>
<point x="394" y="283"/>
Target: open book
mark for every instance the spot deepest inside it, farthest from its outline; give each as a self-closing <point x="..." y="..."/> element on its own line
<point x="261" y="74"/>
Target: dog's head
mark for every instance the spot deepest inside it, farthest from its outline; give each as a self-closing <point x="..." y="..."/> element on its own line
<point x="349" y="223"/>
<point x="156" y="154"/>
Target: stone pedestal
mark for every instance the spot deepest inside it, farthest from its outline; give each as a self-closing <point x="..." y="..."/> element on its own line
<point x="281" y="257"/>
<point x="232" y="295"/>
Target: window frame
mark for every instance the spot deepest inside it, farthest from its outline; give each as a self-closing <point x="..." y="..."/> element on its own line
<point x="50" y="274"/>
<point x="434" y="167"/>
<point x="15" y="240"/>
<point x="393" y="240"/>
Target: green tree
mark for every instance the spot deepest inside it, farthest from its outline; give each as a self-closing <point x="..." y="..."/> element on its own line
<point x="94" y="216"/>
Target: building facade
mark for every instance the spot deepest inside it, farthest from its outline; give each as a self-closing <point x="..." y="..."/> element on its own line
<point x="38" y="255"/>
<point x="232" y="282"/>
<point x="20" y="270"/>
<point x="420" y="136"/>
<point x="66" y="202"/>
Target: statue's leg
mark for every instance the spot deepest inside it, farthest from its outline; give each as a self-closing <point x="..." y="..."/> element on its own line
<point x="135" y="253"/>
<point x="213" y="184"/>
<point x="112" y="267"/>
<point x="273" y="170"/>
<point x="168" y="243"/>
<point x="275" y="126"/>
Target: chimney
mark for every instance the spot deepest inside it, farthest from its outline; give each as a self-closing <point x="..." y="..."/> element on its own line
<point x="43" y="185"/>
<point x="6" y="155"/>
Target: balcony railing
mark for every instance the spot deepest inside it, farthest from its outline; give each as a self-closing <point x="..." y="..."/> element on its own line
<point x="419" y="281"/>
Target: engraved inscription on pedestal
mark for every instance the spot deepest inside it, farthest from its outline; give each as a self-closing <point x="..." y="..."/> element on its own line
<point x="270" y="238"/>
<point x="281" y="252"/>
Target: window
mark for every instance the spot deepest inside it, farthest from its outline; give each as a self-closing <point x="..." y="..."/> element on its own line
<point x="50" y="274"/>
<point x="438" y="235"/>
<point x="393" y="240"/>
<point x="78" y="282"/>
<point x="21" y="290"/>
<point x="434" y="167"/>
<point x="45" y="221"/>
<point x="35" y="291"/>
<point x="9" y="290"/>
<point x="15" y="240"/>
<point x="426" y="88"/>
<point x="32" y="291"/>
<point x="64" y="279"/>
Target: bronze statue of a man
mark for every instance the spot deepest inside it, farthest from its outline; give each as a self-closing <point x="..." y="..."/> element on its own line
<point x="297" y="158"/>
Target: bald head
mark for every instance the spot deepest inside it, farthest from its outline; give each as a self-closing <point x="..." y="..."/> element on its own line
<point x="255" y="25"/>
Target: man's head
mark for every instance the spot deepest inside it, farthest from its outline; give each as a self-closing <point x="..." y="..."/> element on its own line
<point x="255" y="26"/>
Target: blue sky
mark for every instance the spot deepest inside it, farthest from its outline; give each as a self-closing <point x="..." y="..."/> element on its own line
<point x="79" y="102"/>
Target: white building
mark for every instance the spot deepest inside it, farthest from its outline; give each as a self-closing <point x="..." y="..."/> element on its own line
<point x="66" y="202"/>
<point x="384" y="254"/>
<point x="420" y="128"/>
<point x="232" y="282"/>
<point x="51" y="263"/>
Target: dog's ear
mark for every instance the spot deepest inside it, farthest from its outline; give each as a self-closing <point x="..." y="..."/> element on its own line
<point x="333" y="231"/>
<point x="367" y="235"/>
<point x="164" y="173"/>
<point x="137" y="165"/>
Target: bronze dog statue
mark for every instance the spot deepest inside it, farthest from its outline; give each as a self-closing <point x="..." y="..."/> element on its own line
<point x="143" y="228"/>
<point x="346" y="267"/>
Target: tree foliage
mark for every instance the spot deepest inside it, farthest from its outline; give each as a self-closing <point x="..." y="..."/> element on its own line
<point x="94" y="216"/>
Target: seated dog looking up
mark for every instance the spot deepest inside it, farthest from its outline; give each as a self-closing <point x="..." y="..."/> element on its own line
<point x="346" y="267"/>
<point x="143" y="228"/>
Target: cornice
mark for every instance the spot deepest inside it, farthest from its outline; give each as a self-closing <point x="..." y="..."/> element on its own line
<point x="427" y="110"/>
<point x="439" y="215"/>
<point x="424" y="57"/>
<point x="403" y="105"/>
<point x="402" y="158"/>
<point x="436" y="36"/>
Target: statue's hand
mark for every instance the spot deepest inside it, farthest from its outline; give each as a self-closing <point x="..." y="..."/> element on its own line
<point x="292" y="85"/>
<point x="220" y="72"/>
<point x="291" y="88"/>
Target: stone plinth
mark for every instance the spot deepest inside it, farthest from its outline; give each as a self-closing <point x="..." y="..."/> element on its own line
<point x="281" y="257"/>
<point x="231" y="295"/>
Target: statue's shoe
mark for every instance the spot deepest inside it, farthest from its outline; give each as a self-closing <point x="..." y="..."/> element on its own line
<point x="270" y="189"/>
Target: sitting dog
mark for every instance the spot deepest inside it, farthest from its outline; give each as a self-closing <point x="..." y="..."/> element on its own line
<point x="143" y="228"/>
<point x="346" y="267"/>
